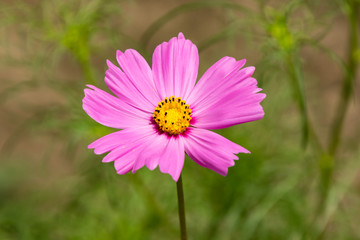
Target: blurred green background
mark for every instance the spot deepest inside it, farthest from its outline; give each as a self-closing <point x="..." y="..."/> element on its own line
<point x="302" y="180"/>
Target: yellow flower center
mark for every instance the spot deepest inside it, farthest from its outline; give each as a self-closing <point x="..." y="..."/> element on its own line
<point x="172" y="115"/>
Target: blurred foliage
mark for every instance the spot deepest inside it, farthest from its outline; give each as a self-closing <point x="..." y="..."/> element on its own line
<point x="286" y="189"/>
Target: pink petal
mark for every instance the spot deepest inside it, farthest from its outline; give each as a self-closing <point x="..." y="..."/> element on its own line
<point x="172" y="158"/>
<point x="111" y="111"/>
<point x="135" y="158"/>
<point x="175" y="67"/>
<point x="124" y="89"/>
<point x="130" y="149"/>
<point x="120" y="139"/>
<point x="151" y="153"/>
<point x="227" y="101"/>
<point x="133" y="84"/>
<point x="211" y="150"/>
<point x="129" y="141"/>
<point x="139" y="72"/>
<point x="154" y="151"/>
<point x="213" y="78"/>
<point x="126" y="147"/>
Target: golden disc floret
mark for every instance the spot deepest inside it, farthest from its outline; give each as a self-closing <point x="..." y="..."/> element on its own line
<point x="172" y="115"/>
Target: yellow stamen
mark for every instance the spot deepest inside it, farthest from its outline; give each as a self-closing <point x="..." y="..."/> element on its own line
<point x="172" y="115"/>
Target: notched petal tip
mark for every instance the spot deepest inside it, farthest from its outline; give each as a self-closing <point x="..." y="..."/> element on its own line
<point x="109" y="63"/>
<point x="244" y="151"/>
<point x="175" y="175"/>
<point x="91" y="146"/>
<point x="119" y="54"/>
<point x="92" y="87"/>
<point x="132" y="52"/>
<point x="95" y="146"/>
<point x="242" y="61"/>
<point x="129" y="51"/>
<point x="224" y="174"/>
<point x="181" y="35"/>
<point x="262" y="96"/>
<point x="249" y="70"/>
<point x="239" y="149"/>
<point x="262" y="113"/>
<point x="176" y="178"/>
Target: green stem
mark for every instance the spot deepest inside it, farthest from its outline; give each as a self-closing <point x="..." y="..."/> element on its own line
<point x="155" y="26"/>
<point x="180" y="195"/>
<point x="328" y="160"/>
<point x="299" y="92"/>
<point x="346" y="93"/>
<point x="218" y="37"/>
<point x="349" y="80"/>
<point x="87" y="71"/>
<point x="151" y="201"/>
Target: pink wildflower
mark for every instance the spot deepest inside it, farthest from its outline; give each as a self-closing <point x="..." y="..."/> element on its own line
<point x="164" y="114"/>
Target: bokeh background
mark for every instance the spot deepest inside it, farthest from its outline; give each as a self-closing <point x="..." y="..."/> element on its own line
<point x="302" y="180"/>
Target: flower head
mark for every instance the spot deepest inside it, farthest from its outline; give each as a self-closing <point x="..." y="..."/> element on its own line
<point x="164" y="114"/>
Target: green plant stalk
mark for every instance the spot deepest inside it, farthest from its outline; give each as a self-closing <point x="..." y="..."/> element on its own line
<point x="294" y="70"/>
<point x="155" y="26"/>
<point x="349" y="79"/>
<point x="151" y="201"/>
<point x="216" y="38"/>
<point x="87" y="71"/>
<point x="180" y="195"/>
<point x="328" y="161"/>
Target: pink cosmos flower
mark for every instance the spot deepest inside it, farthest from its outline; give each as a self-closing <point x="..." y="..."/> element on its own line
<point x="164" y="114"/>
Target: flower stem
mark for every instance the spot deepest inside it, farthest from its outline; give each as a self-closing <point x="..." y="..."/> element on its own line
<point x="349" y="80"/>
<point x="186" y="7"/>
<point x="328" y="160"/>
<point x="180" y="195"/>
<point x="294" y="68"/>
<point x="346" y="93"/>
